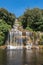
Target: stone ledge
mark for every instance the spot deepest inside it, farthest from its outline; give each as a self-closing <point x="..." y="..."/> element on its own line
<point x="3" y="47"/>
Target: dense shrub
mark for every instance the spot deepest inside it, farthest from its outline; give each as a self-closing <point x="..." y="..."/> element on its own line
<point x="32" y="18"/>
<point x="41" y="40"/>
<point x="28" y="28"/>
<point x="4" y="28"/>
<point x="6" y="23"/>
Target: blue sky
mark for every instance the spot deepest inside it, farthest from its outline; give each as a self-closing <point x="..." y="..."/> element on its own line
<point x="18" y="6"/>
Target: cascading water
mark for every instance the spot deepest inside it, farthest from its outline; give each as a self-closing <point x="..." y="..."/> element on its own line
<point x="28" y="41"/>
<point x="15" y="37"/>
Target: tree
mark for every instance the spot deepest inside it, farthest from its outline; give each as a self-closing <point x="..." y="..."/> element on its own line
<point x="4" y="28"/>
<point x="33" y="18"/>
<point x="6" y="23"/>
<point x="8" y="17"/>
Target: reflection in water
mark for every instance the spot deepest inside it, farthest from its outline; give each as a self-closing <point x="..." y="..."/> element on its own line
<point x="3" y="57"/>
<point x="21" y="57"/>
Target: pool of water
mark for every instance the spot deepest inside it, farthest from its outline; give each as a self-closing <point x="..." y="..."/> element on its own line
<point x="21" y="57"/>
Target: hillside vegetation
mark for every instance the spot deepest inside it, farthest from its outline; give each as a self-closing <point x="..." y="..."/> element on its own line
<point x="32" y="19"/>
<point x="6" y="23"/>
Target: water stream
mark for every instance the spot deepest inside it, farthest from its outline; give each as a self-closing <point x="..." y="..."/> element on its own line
<point x="15" y="37"/>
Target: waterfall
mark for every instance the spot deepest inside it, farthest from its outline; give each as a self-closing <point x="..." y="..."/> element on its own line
<point x="27" y="35"/>
<point x="28" y="40"/>
<point x="15" y="37"/>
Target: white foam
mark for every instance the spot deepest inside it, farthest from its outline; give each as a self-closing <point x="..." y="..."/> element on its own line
<point x="14" y="47"/>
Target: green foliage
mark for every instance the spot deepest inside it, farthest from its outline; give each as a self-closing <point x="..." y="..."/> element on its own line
<point x="20" y="23"/>
<point x="8" y="17"/>
<point x="41" y="40"/>
<point x="4" y="28"/>
<point x="32" y="18"/>
<point x="2" y="38"/>
<point x="27" y="28"/>
<point x="6" y="22"/>
<point x="35" y="35"/>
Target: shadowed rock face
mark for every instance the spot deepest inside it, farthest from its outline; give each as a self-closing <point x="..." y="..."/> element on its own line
<point x="24" y="33"/>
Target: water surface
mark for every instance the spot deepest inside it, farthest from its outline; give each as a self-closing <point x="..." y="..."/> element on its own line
<point x="21" y="57"/>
